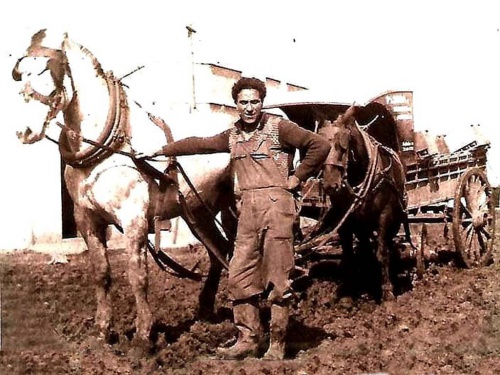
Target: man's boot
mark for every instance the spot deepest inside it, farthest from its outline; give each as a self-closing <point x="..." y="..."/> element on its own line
<point x="278" y="326"/>
<point x="247" y="320"/>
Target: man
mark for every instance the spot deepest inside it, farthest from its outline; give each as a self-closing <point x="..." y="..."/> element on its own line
<point x="262" y="149"/>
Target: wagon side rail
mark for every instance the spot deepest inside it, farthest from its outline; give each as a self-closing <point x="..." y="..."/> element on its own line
<point x="433" y="179"/>
<point x="453" y="188"/>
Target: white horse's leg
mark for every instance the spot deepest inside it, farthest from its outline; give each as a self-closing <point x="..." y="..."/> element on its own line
<point x="94" y="234"/>
<point x="138" y="276"/>
<point x="135" y="228"/>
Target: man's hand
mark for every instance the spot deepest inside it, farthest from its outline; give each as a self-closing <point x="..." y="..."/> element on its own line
<point x="293" y="183"/>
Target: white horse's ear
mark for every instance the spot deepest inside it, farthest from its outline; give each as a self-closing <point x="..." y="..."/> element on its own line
<point x="48" y="38"/>
<point x="66" y="43"/>
<point x="37" y="39"/>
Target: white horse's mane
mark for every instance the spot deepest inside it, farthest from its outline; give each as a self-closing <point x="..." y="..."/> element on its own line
<point x="71" y="44"/>
<point x="57" y="40"/>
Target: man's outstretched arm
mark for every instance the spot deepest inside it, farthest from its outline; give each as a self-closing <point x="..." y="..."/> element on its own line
<point x="192" y="146"/>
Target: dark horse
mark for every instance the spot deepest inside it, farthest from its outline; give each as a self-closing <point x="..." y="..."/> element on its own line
<point x="366" y="184"/>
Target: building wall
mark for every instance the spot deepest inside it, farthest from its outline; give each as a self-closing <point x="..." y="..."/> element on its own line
<point x="30" y="200"/>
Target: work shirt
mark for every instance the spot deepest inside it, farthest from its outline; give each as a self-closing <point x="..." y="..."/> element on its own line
<point x="313" y="147"/>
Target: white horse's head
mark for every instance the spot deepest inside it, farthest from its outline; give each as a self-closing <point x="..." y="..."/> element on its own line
<point x="41" y="73"/>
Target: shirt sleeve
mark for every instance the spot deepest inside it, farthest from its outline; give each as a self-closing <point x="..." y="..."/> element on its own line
<point x="197" y="145"/>
<point x="312" y="146"/>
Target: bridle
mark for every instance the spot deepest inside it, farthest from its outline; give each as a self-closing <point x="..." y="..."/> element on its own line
<point x="339" y="153"/>
<point x="57" y="100"/>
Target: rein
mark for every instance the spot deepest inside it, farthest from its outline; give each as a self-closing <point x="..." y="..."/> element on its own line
<point x="360" y="192"/>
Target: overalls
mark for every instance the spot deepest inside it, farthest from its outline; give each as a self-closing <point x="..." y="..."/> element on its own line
<point x="263" y="254"/>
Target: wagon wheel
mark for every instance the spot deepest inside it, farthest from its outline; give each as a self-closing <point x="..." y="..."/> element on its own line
<point x="473" y="219"/>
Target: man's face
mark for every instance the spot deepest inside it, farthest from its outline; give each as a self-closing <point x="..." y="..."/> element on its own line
<point x="249" y="105"/>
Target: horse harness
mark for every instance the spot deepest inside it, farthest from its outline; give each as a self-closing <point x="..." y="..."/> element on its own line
<point x="377" y="174"/>
<point x="110" y="142"/>
<point x="373" y="180"/>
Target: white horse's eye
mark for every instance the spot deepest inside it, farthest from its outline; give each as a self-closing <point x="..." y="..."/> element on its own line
<point x="33" y="65"/>
<point x="43" y="71"/>
<point x="33" y="72"/>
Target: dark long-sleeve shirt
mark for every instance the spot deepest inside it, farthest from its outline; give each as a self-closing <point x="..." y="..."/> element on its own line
<point x="313" y="147"/>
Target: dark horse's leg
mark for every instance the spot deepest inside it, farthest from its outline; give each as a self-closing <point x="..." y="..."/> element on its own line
<point x="384" y="241"/>
<point x="346" y="242"/>
<point x="93" y="232"/>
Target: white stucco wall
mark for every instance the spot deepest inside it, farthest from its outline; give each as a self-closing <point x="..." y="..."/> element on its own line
<point x="30" y="192"/>
<point x="31" y="200"/>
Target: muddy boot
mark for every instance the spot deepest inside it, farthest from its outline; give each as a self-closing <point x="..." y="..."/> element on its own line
<point x="247" y="320"/>
<point x="279" y="323"/>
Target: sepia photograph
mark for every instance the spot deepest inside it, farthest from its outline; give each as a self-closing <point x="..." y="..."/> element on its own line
<point x="198" y="188"/>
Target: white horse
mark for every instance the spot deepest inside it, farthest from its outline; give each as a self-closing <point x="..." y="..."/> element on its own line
<point x="106" y="186"/>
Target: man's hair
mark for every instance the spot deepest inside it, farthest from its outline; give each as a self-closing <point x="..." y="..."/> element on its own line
<point x="249" y="83"/>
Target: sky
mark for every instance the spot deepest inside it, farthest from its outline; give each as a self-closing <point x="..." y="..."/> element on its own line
<point x="446" y="52"/>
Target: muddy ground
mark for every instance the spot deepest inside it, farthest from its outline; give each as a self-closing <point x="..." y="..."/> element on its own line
<point x="446" y="323"/>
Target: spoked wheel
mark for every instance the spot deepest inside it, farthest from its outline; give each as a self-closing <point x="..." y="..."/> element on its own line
<point x="474" y="219"/>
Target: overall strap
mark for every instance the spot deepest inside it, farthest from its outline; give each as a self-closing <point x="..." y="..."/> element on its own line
<point x="262" y="155"/>
<point x="271" y="132"/>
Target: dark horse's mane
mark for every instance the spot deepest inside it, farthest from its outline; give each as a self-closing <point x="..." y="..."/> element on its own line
<point x="382" y="125"/>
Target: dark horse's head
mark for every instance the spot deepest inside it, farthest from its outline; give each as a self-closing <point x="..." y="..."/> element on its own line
<point x="335" y="166"/>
